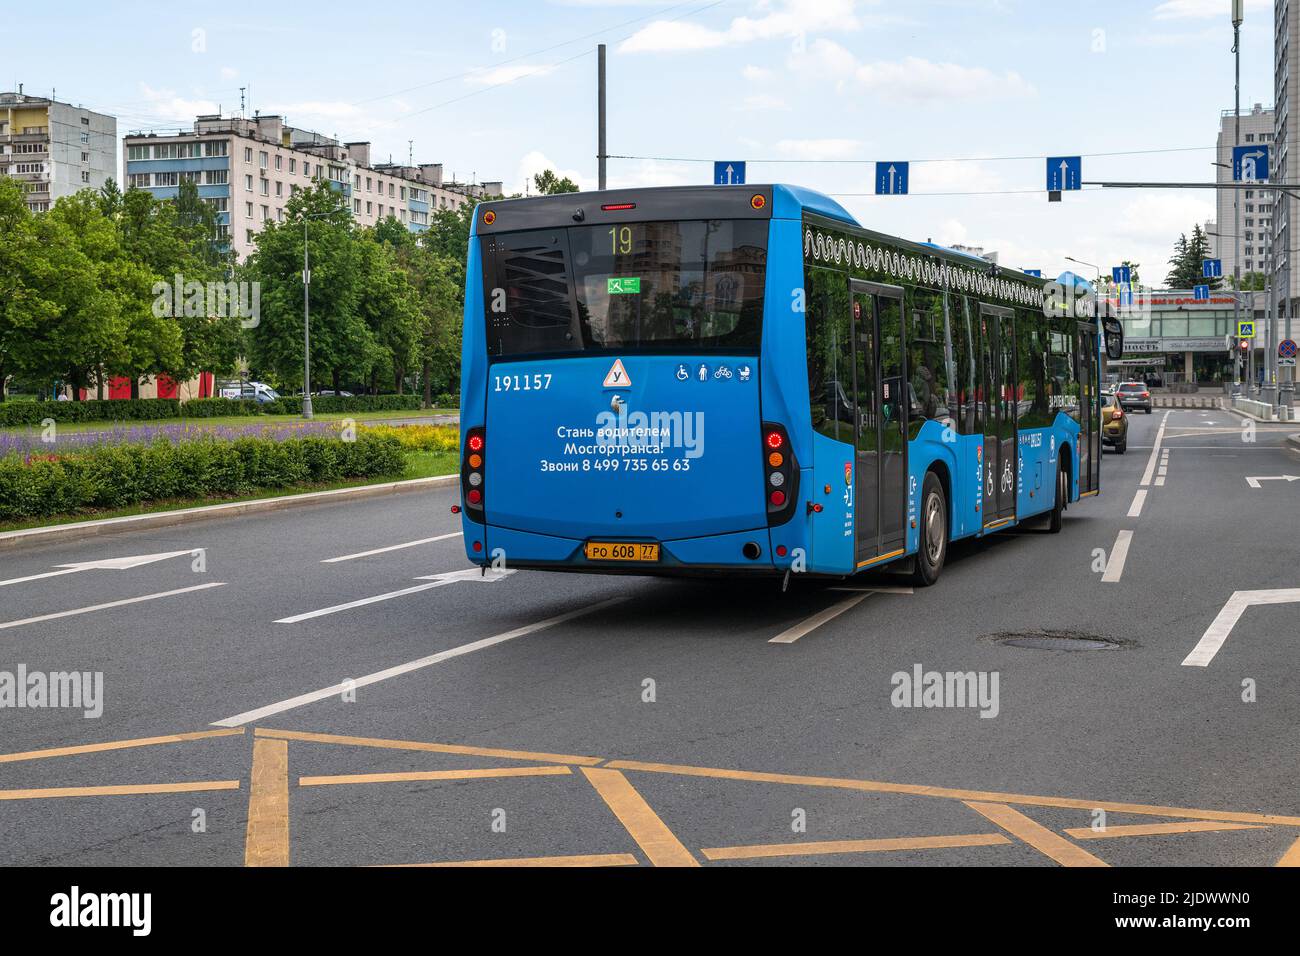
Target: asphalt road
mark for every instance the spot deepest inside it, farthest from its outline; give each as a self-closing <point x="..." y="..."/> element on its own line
<point x="627" y="720"/>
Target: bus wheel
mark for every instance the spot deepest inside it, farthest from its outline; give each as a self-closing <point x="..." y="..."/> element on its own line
<point x="1062" y="492"/>
<point x="933" y="546"/>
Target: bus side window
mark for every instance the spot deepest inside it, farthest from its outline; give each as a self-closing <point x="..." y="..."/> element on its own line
<point x="830" y="353"/>
<point x="927" y="367"/>
<point x="963" y="353"/>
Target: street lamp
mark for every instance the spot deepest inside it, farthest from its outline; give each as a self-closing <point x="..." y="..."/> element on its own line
<point x="306" y="313"/>
<point x="1238" y="14"/>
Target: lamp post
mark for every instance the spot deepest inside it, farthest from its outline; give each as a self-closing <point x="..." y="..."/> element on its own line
<point x="1238" y="13"/>
<point x="306" y="314"/>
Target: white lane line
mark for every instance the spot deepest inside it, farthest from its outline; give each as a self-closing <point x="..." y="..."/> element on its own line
<point x="793" y="634"/>
<point x="1160" y="482"/>
<point x="110" y="604"/>
<point x="392" y="547"/>
<point x="304" y="699"/>
<point x="1222" y="626"/>
<point x="360" y="603"/>
<point x="1164" y="470"/>
<point x="1139" y="499"/>
<point x="55" y="574"/>
<point x="1118" y="555"/>
<point x="1155" y="450"/>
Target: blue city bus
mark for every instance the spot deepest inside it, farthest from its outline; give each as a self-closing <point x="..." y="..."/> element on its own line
<point x="743" y="380"/>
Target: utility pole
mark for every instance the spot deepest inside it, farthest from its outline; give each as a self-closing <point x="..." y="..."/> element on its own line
<point x="1237" y="16"/>
<point x="600" y="111"/>
<point x="306" y="324"/>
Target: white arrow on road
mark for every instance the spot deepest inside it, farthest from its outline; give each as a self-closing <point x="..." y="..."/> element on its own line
<point x="490" y="576"/>
<point x="1222" y="626"/>
<point x="1255" y="482"/>
<point x="109" y="564"/>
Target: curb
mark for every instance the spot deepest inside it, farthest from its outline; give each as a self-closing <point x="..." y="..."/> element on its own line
<point x="164" y="519"/>
<point x="1294" y="439"/>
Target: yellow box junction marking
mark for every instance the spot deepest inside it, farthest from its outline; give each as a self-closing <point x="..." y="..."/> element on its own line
<point x="267" y="840"/>
<point x="1045" y="841"/>
<point x="410" y="776"/>
<point x="650" y="833"/>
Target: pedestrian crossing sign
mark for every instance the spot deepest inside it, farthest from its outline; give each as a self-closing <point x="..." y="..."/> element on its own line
<point x="1245" y="330"/>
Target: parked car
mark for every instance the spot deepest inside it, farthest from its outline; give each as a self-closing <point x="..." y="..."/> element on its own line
<point x="1135" y="396"/>
<point x="252" y="391"/>
<point x="1114" y="424"/>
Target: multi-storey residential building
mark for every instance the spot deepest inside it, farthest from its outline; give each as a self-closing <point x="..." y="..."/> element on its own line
<point x="1254" y="206"/>
<point x="248" y="168"/>
<point x="1285" y="161"/>
<point x="54" y="149"/>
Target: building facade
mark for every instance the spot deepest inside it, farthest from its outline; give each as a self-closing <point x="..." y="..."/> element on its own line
<point x="1171" y="336"/>
<point x="54" y="149"/>
<point x="1285" y="160"/>
<point x="1255" y="206"/>
<point x="248" y="168"/>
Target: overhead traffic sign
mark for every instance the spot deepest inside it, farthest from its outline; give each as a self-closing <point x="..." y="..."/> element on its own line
<point x="728" y="173"/>
<point x="1064" y="172"/>
<point x="1201" y="293"/>
<point x="1121" y="275"/>
<point x="1245" y="329"/>
<point x="1036" y="273"/>
<point x="1212" y="268"/>
<point x="1250" y="163"/>
<point x="891" y="179"/>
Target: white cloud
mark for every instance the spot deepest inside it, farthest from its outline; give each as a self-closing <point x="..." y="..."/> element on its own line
<point x="508" y="74"/>
<point x="763" y="102"/>
<point x="954" y="177"/>
<point x="535" y="162"/>
<point x="1203" y="9"/>
<point x="166" y="104"/>
<point x="229" y="73"/>
<point x="911" y="78"/>
<point x="756" y="74"/>
<point x="780" y="19"/>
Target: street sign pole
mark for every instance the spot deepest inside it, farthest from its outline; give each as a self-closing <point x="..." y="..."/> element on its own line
<point x="1236" y="205"/>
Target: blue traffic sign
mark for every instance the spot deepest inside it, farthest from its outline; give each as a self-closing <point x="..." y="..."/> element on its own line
<point x="1036" y="273"/>
<point x="1250" y="163"/>
<point x="1201" y="293"/>
<point x="1286" y="348"/>
<point x="728" y="173"/>
<point x="1126" y="297"/>
<point x="1212" y="268"/>
<point x="891" y="179"/>
<point x="1064" y="172"/>
<point x="1121" y="275"/>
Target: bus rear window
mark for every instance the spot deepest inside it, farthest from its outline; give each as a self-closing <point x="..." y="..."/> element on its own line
<point x="654" y="286"/>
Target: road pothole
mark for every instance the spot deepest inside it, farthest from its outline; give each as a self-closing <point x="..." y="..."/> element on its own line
<point x="1057" y="641"/>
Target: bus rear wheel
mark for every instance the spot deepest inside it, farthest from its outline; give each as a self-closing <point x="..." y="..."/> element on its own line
<point x="933" y="546"/>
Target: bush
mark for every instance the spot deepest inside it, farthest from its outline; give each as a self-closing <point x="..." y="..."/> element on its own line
<point x="118" y="476"/>
<point x="213" y="407"/>
<point x="446" y="400"/>
<point x="326" y="404"/>
<point x="118" y="409"/>
<point x="438" y="438"/>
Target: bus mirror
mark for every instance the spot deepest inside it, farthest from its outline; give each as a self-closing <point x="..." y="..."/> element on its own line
<point x="1114" y="332"/>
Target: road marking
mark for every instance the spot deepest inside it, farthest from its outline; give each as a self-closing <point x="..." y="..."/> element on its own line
<point x="435" y="581"/>
<point x="110" y="564"/>
<point x="1045" y="841"/>
<point x="1155" y="450"/>
<point x="1156" y="829"/>
<point x="1160" y="482"/>
<point x="1118" y="555"/>
<point x="392" y="547"/>
<point x="1292" y="856"/>
<point x="420" y="745"/>
<point x="116" y="745"/>
<point x="1222" y="626"/>
<point x="790" y="635"/>
<point x="1164" y="470"/>
<point x="764" y="851"/>
<point x="985" y="796"/>
<point x="475" y="773"/>
<point x="191" y="786"/>
<point x="266" y="842"/>
<point x="1139" y="499"/>
<point x="1255" y="482"/>
<point x="110" y="604"/>
<point x="317" y="695"/>
<point x="592" y="859"/>
<point x="641" y="822"/>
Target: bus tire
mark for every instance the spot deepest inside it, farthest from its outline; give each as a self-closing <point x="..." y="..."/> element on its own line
<point x="932" y="548"/>
<point x="1062" y="492"/>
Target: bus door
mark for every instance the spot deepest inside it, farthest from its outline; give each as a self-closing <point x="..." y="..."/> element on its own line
<point x="1089" y="375"/>
<point x="880" y="432"/>
<point x="999" y="379"/>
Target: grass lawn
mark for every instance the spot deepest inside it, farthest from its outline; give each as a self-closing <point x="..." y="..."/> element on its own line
<point x="419" y="464"/>
<point x="220" y="420"/>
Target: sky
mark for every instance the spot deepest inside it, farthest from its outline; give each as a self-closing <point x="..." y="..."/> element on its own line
<point x="975" y="93"/>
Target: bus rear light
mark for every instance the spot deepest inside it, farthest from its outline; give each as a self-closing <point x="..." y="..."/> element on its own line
<point x="775" y="460"/>
<point x="475" y="479"/>
<point x="780" y="551"/>
<point x="775" y="440"/>
<point x="777" y="499"/>
<point x="474" y="496"/>
<point x="475" y="442"/>
<point x="781" y="472"/>
<point x="478" y="546"/>
<point x="777" y="479"/>
<point x="455" y="509"/>
<point x="617" y="206"/>
<point x="473" y="473"/>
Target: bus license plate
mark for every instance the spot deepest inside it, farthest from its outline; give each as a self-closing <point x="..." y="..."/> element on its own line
<point x="620" y="551"/>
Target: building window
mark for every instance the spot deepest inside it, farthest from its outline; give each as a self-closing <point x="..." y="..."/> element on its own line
<point x="266" y="213"/>
<point x="279" y="161"/>
<point x="165" y="179"/>
<point x="137" y="181"/>
<point x="85" y="157"/>
<point x="248" y="236"/>
<point x="266" y="186"/>
<point x="248" y="183"/>
<point x="137" y="152"/>
<point x="215" y="147"/>
<point x="356" y="206"/>
<point x="306" y="168"/>
<point x="216" y="177"/>
<point x="261" y="159"/>
<point x="293" y="165"/>
<point x="85" y="137"/>
<point x="248" y="210"/>
<point x="248" y="154"/>
<point x="370" y="208"/>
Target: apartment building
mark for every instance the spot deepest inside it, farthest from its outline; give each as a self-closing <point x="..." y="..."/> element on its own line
<point x="54" y="149"/>
<point x="248" y="168"/>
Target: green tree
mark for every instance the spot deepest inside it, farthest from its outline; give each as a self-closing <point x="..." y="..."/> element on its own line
<point x="549" y="184"/>
<point x="1186" y="262"/>
<point x="26" y="305"/>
